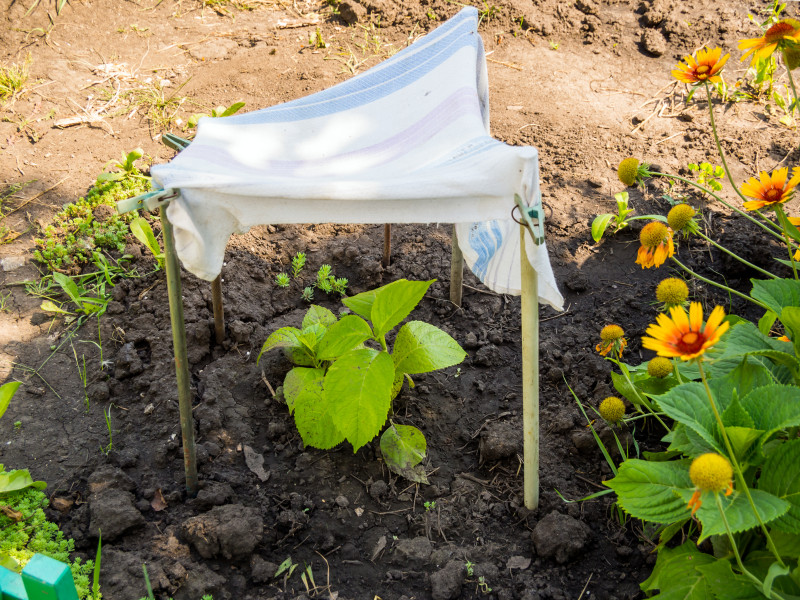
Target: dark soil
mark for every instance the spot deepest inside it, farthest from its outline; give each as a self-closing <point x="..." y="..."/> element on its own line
<point x="604" y="94"/>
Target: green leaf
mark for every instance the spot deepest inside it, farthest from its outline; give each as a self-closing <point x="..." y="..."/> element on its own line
<point x="647" y="490"/>
<point x="759" y="562"/>
<point x="773" y="407"/>
<point x="780" y="476"/>
<point x="303" y="390"/>
<point x="685" y="441"/>
<point x="142" y="231"/>
<point x="787" y="544"/>
<point x="13" y="481"/>
<point x="726" y="584"/>
<point x="737" y="509"/>
<point x="232" y="109"/>
<point x="689" y="404"/>
<point x="361" y="304"/>
<point x="422" y="348"/>
<point x="777" y="293"/>
<point x="358" y="388"/>
<point x="742" y="439"/>
<point x="7" y="391"/>
<point x="677" y="574"/>
<point x="50" y="306"/>
<point x="403" y="447"/>
<point x="766" y="322"/>
<point x="311" y="336"/>
<point x="775" y="570"/>
<point x="790" y="317"/>
<point x="599" y="226"/>
<point x="343" y="336"/>
<point x="394" y="302"/>
<point x="318" y="314"/>
<point x="285" y="337"/>
<point x="69" y="286"/>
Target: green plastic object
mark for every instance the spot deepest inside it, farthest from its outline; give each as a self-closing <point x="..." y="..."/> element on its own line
<point x="11" y="587"/>
<point x="45" y="578"/>
<point x="170" y="140"/>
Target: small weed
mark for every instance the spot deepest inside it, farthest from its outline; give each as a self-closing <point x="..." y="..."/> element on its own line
<point x="708" y="175"/>
<point x="17" y="425"/>
<point x="220" y="111"/>
<point x="107" y="449"/>
<point x="333" y="5"/>
<point x="315" y="40"/>
<point x="4" y="300"/>
<point x="469" y="567"/>
<point x="488" y="12"/>
<point x="483" y="585"/>
<point x="298" y="262"/>
<point x="430" y="505"/>
<point x="554" y="46"/>
<point x="160" y="108"/>
<point x="13" y="79"/>
<point x="282" y="280"/>
<point x="432" y="15"/>
<point x="308" y="293"/>
<point x="81" y="364"/>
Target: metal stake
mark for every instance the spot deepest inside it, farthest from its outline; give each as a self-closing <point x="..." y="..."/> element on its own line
<point x="456" y="270"/>
<point x="181" y="364"/>
<point x="219" y="314"/>
<point x="530" y="377"/>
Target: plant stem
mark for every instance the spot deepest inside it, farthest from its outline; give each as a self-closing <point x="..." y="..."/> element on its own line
<point x="736" y="256"/>
<point x="737" y="469"/>
<point x="719" y="285"/>
<point x="794" y="90"/>
<point x="643" y="401"/>
<point x="783" y="218"/>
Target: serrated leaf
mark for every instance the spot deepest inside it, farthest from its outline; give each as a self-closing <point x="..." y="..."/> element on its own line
<point x="790" y="317"/>
<point x="394" y="302"/>
<point x="742" y="439"/>
<point x="759" y="562"/>
<point x="13" y="481"/>
<point x="780" y="476"/>
<point x="776" y="293"/>
<point x="358" y="388"/>
<point x="647" y="490"/>
<point x="312" y="411"/>
<point x="726" y="584"/>
<point x="403" y="447"/>
<point x="787" y="544"/>
<point x="687" y="442"/>
<point x="689" y="404"/>
<point x="285" y="337"/>
<point x="343" y="336"/>
<point x="7" y="391"/>
<point x="773" y="407"/>
<point x="311" y="336"/>
<point x="318" y="314"/>
<point x="737" y="509"/>
<point x="599" y="226"/>
<point x="421" y="348"/>
<point x="677" y="576"/>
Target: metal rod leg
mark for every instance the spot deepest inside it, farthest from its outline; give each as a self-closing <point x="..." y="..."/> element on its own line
<point x="181" y="364"/>
<point x="387" y="245"/>
<point x="219" y="313"/>
<point x="530" y="378"/>
<point x="456" y="270"/>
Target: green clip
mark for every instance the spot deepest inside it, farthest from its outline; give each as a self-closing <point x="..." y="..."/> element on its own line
<point x="150" y="201"/>
<point x="529" y="213"/>
<point x="47" y="579"/>
<point x="170" y="140"/>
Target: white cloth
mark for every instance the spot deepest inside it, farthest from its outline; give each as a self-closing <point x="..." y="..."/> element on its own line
<point x="404" y="142"/>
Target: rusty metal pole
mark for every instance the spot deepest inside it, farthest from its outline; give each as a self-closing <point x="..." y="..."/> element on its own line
<point x="219" y="313"/>
<point x="456" y="270"/>
<point x="181" y="363"/>
<point x="387" y="245"/>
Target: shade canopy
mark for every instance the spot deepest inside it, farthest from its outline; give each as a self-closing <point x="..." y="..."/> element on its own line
<point x="404" y="142"/>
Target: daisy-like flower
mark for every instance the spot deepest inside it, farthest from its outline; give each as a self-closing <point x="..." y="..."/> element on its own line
<point x="784" y="34"/>
<point x="657" y="245"/>
<point x="704" y="68"/>
<point x="685" y="336"/>
<point x="612" y="409"/>
<point x="672" y="292"/>
<point x="630" y="171"/>
<point x="659" y="367"/>
<point x="771" y="190"/>
<point x="681" y="219"/>
<point x="612" y="339"/>
<point x="709" y="472"/>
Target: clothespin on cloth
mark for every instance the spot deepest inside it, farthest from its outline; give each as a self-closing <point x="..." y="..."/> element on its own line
<point x="150" y="201"/>
<point x="532" y="218"/>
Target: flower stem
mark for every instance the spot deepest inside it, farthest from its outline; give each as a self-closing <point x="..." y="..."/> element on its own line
<point x="783" y="218"/>
<point x="719" y="285"/>
<point x="719" y="146"/>
<point x="736" y="467"/>
<point x="736" y="256"/>
<point x="794" y="90"/>
<point x="643" y="401"/>
<point x="775" y="231"/>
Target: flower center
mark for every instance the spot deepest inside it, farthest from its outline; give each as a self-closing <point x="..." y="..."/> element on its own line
<point x="691" y="342"/>
<point x="653" y="234"/>
<point x="778" y="32"/>
<point x="702" y="71"/>
<point x="773" y="195"/>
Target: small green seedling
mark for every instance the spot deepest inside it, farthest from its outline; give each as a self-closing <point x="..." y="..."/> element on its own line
<point x="287" y="567"/>
<point x="127" y="167"/>
<point x="340" y="286"/>
<point x="220" y="111"/>
<point x="17" y="425"/>
<point x="143" y="232"/>
<point x="282" y="280"/>
<point x="488" y="12"/>
<point x="315" y="40"/>
<point x="483" y="585"/>
<point x="298" y="263"/>
<point x="430" y="505"/>
<point x="308" y="293"/>
<point x="469" y="567"/>
<point x="708" y="175"/>
<point x="619" y="221"/>
<point x="107" y="449"/>
<point x="554" y="46"/>
<point x="325" y="280"/>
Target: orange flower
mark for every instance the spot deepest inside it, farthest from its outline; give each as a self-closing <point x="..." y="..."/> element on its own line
<point x="771" y="190"/>
<point x="705" y="68"/>
<point x="684" y="335"/>
<point x="612" y="339"/>
<point x="709" y="472"/>
<point x="782" y="34"/>
<point x="657" y="245"/>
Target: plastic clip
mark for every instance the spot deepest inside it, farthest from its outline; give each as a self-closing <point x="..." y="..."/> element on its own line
<point x="150" y="201"/>
<point x="533" y="218"/>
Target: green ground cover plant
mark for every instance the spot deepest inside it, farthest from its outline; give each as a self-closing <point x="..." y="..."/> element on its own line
<point x="345" y="377"/>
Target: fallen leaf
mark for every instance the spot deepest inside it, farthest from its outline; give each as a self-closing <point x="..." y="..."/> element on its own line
<point x="518" y="562"/>
<point x="158" y="503"/>
<point x="378" y="547"/>
<point x="12" y="514"/>
<point x="255" y="462"/>
<point x="61" y="504"/>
